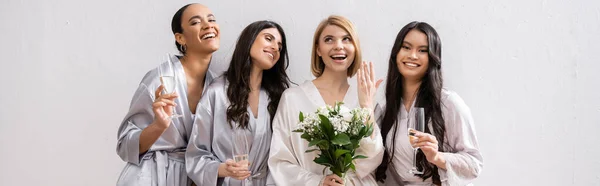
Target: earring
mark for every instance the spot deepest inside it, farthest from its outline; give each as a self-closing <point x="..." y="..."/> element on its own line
<point x="183" y="48"/>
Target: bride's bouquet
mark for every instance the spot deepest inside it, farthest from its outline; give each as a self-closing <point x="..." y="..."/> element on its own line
<point x="336" y="132"/>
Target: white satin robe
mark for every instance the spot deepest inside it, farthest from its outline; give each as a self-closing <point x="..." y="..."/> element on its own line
<point x="290" y="165"/>
<point x="463" y="164"/>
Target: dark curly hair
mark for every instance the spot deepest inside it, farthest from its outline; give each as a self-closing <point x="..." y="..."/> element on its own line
<point x="274" y="80"/>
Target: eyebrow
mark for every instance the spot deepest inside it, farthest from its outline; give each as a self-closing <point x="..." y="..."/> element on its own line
<point x="269" y="34"/>
<point x="200" y="17"/>
<point x="408" y="43"/>
<point x="195" y="17"/>
<point x="347" y="35"/>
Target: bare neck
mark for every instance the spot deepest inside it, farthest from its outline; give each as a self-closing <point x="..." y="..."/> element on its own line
<point x="410" y="92"/>
<point x="196" y="65"/>
<point x="256" y="75"/>
<point x="332" y="86"/>
<point x="333" y="80"/>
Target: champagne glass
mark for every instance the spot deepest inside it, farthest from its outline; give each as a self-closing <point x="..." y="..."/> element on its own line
<point x="240" y="147"/>
<point x="418" y="125"/>
<point x="169" y="80"/>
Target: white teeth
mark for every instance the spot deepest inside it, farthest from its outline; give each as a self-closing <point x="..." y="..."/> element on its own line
<point x="338" y="56"/>
<point x="209" y="35"/>
<point x="411" y="64"/>
<point x="271" y="55"/>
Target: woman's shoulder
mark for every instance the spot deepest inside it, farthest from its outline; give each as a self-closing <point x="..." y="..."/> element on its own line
<point x="151" y="79"/>
<point x="297" y="90"/>
<point x="217" y="86"/>
<point x="453" y="102"/>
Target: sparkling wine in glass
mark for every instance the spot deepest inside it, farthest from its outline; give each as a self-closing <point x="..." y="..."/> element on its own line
<point x="241" y="148"/>
<point x="417" y="125"/>
<point x="168" y="80"/>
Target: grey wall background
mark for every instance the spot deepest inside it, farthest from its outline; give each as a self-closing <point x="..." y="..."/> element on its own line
<point x="526" y="69"/>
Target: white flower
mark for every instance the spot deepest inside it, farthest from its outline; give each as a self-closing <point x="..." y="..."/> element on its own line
<point x="324" y="110"/>
<point x="346" y="114"/>
<point x="354" y="131"/>
<point x="344" y="109"/>
<point x="308" y="124"/>
<point x="339" y="125"/>
<point x="362" y="114"/>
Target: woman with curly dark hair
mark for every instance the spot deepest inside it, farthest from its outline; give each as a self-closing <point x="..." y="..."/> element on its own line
<point x="244" y="99"/>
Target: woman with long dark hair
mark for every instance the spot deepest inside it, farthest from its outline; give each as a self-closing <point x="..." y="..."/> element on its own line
<point x="336" y="56"/>
<point x="245" y="98"/>
<point x="153" y="144"/>
<point x="449" y="152"/>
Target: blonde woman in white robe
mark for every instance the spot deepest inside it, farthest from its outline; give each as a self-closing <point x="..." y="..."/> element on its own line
<point x="336" y="57"/>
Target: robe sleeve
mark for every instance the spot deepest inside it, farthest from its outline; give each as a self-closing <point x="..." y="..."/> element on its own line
<point x="138" y="117"/>
<point x="372" y="148"/>
<point x="283" y="163"/>
<point x="465" y="162"/>
<point x="200" y="162"/>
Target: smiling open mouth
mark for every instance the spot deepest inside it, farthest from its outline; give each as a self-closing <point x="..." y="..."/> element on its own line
<point x="208" y="36"/>
<point x="338" y="57"/>
<point x="411" y="64"/>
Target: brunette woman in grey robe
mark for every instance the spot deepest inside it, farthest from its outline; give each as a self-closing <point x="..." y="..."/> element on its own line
<point x="244" y="99"/>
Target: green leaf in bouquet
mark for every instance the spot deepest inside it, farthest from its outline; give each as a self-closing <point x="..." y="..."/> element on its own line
<point x="323" y="160"/>
<point x="340" y="152"/>
<point x="336" y="170"/>
<point x="359" y="157"/>
<point x="355" y="143"/>
<point x="316" y="142"/>
<point x="323" y="146"/>
<point x="326" y="126"/>
<point x="301" y="117"/>
<point x="347" y="160"/>
<point x="353" y="167"/>
<point x="298" y="130"/>
<point x="341" y="139"/>
<point x="307" y="151"/>
<point x="305" y="136"/>
<point x="363" y="131"/>
<point x="369" y="130"/>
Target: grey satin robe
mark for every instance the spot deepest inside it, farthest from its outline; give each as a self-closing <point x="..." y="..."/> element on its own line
<point x="463" y="164"/>
<point x="211" y="140"/>
<point x="163" y="164"/>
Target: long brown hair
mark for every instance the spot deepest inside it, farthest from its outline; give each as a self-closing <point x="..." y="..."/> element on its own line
<point x="274" y="80"/>
<point x="428" y="97"/>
